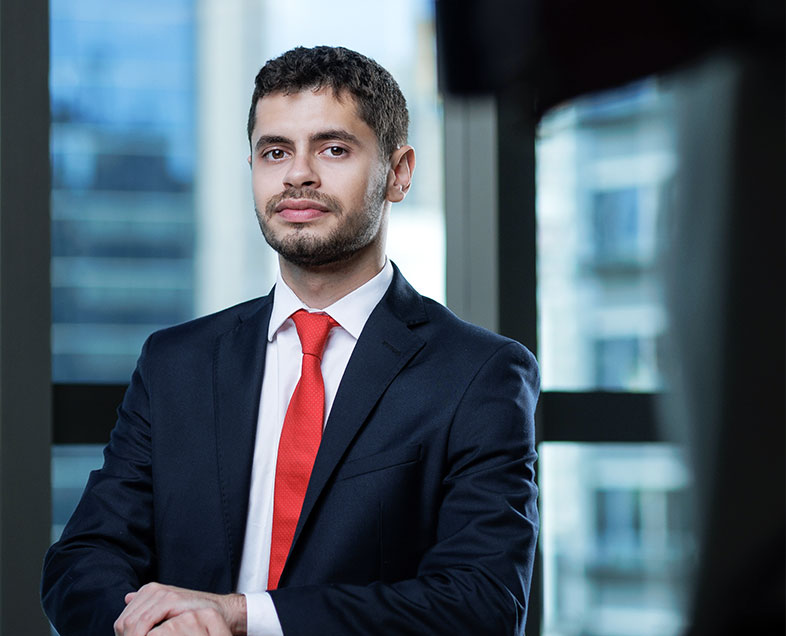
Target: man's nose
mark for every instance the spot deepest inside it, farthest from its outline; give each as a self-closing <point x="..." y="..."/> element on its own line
<point x="301" y="172"/>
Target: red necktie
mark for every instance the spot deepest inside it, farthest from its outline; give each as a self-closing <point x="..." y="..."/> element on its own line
<point x="300" y="438"/>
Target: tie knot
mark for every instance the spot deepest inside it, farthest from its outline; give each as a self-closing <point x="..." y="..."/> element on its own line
<point x="313" y="330"/>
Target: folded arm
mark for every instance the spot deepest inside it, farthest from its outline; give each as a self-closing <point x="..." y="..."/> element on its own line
<point x="106" y="549"/>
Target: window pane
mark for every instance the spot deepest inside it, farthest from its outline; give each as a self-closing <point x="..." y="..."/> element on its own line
<point x="71" y="466"/>
<point x="614" y="539"/>
<point x="152" y="216"/>
<point x="122" y="144"/>
<point x="605" y="167"/>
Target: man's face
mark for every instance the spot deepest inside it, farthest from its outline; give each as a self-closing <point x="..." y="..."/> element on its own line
<point x="318" y="179"/>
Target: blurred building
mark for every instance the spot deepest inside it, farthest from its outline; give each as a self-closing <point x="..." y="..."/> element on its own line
<point x="123" y="154"/>
<point x="605" y="165"/>
<point x="615" y="541"/>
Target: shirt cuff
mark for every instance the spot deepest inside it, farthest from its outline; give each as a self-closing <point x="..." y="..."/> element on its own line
<point x="261" y="616"/>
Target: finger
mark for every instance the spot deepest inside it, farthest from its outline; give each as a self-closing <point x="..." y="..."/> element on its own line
<point x="178" y="626"/>
<point x="200" y="622"/>
<point x="155" y="603"/>
<point x="129" y="623"/>
<point x="152" y="604"/>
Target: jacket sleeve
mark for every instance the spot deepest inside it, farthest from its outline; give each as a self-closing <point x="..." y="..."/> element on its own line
<point x="475" y="578"/>
<point x="106" y="548"/>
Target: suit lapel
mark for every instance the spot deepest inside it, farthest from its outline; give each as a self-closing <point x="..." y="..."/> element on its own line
<point x="385" y="346"/>
<point x="239" y="361"/>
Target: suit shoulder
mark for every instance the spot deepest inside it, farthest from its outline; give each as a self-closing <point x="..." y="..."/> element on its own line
<point x="208" y="327"/>
<point x="444" y="320"/>
<point x="466" y="338"/>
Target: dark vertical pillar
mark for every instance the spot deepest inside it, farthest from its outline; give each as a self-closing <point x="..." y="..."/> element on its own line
<point x="25" y="384"/>
<point x="517" y="125"/>
<point x="516" y="254"/>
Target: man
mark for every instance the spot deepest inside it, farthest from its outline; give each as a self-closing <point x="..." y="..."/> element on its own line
<point x="419" y="514"/>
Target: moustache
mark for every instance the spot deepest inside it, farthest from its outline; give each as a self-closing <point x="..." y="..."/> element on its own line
<point x="330" y="202"/>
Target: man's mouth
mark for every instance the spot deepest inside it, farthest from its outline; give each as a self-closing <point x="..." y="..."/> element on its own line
<point x="300" y="210"/>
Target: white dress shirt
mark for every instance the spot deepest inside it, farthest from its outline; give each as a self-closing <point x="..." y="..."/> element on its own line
<point x="281" y="374"/>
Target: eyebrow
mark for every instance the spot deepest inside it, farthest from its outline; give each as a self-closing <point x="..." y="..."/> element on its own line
<point x="337" y="133"/>
<point x="264" y="140"/>
<point x="324" y="135"/>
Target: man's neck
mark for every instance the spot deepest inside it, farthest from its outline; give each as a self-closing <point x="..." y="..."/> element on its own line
<point x="320" y="287"/>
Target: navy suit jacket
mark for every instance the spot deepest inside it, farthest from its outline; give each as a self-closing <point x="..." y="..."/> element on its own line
<point x="420" y="515"/>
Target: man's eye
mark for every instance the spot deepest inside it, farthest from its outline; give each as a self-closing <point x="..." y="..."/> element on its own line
<point x="275" y="154"/>
<point x="336" y="151"/>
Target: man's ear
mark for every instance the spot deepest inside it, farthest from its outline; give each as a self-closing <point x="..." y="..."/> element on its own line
<point x="402" y="167"/>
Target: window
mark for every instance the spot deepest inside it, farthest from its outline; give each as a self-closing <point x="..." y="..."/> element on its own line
<point x="152" y="218"/>
<point x="605" y="166"/>
<point x="122" y="89"/>
<point x="614" y="538"/>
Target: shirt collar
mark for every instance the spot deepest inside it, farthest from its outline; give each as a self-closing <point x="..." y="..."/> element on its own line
<point x="351" y="311"/>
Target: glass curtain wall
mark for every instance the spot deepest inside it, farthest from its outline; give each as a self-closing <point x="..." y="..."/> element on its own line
<point x="152" y="215"/>
<point x="152" y="218"/>
<point x="123" y="146"/>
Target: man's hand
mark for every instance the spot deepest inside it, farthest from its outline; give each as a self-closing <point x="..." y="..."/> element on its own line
<point x="201" y="622"/>
<point x="164" y="610"/>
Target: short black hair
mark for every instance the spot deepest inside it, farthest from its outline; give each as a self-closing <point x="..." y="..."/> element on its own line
<point x="379" y="99"/>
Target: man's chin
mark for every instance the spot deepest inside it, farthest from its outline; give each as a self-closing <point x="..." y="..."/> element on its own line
<point x="315" y="259"/>
<point x="306" y="246"/>
<point x="308" y="253"/>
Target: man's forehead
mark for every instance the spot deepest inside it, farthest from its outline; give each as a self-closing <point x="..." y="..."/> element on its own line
<point x="340" y="97"/>
<point x="280" y="108"/>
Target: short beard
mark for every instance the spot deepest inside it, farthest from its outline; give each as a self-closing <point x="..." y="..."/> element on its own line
<point x="352" y="233"/>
